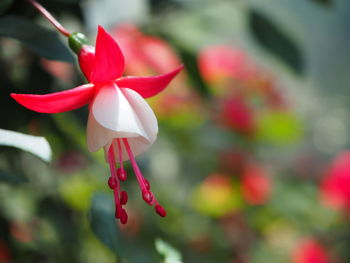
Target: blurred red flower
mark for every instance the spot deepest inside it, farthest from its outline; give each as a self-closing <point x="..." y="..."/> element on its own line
<point x="235" y="114"/>
<point x="22" y="232"/>
<point x="229" y="69"/>
<point x="218" y="63"/>
<point x="256" y="185"/>
<point x="151" y="55"/>
<point x="335" y="187"/>
<point x="5" y="256"/>
<point x="145" y="54"/>
<point x="233" y="161"/>
<point x="310" y="251"/>
<point x="242" y="89"/>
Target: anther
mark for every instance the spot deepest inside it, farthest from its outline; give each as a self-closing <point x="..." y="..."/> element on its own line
<point x="122" y="175"/>
<point x="123" y="216"/>
<point x="147" y="196"/>
<point x="123" y="197"/>
<point x="112" y="183"/>
<point x="160" y="210"/>
<point x="147" y="184"/>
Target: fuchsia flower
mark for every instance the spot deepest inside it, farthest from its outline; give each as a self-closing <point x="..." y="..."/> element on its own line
<point x="120" y="121"/>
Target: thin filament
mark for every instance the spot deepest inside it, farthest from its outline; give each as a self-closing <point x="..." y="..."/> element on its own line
<point x="113" y="171"/>
<point x="134" y="164"/>
<point x="120" y="155"/>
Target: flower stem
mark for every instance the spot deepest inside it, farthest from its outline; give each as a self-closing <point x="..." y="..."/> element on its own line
<point x="50" y="18"/>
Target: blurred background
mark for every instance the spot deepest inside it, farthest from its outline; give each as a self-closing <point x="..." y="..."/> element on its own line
<point x="251" y="162"/>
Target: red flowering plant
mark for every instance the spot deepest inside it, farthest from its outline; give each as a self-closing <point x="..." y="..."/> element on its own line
<point x="120" y="121"/>
<point x="242" y="91"/>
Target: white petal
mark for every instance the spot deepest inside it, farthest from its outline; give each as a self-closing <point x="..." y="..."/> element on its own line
<point x="144" y="113"/>
<point x="113" y="111"/>
<point x="141" y="134"/>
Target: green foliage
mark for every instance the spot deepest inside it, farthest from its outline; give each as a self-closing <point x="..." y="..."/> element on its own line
<point x="4" y="5"/>
<point x="103" y="223"/>
<point x="6" y="177"/>
<point x="279" y="128"/>
<point x="44" y="42"/>
<point x="275" y="41"/>
<point x="324" y="2"/>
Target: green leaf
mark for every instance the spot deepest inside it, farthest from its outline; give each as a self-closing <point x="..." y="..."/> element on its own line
<point x="67" y="1"/>
<point x="44" y="42"/>
<point x="170" y="254"/>
<point x="190" y="62"/>
<point x="276" y="41"/>
<point x="280" y="128"/>
<point x="324" y="2"/>
<point x="103" y="223"/>
<point x="33" y="144"/>
<point x="4" y="5"/>
<point x="5" y="177"/>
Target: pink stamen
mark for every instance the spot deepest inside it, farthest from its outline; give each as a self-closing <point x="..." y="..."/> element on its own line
<point x="114" y="184"/>
<point x="121" y="172"/>
<point x="139" y="176"/>
<point x="147" y="195"/>
<point x="160" y="210"/>
<point x="123" y="197"/>
<point x="123" y="217"/>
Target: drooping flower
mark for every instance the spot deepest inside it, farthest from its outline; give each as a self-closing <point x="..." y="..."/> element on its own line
<point x="120" y="121"/>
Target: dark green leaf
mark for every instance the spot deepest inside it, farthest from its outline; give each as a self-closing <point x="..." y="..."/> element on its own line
<point x="275" y="41"/>
<point x="44" y="42"/>
<point x="5" y="177"/>
<point x="190" y="62"/>
<point x="4" y="5"/>
<point x="67" y="1"/>
<point x="103" y="223"/>
<point x="324" y="2"/>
